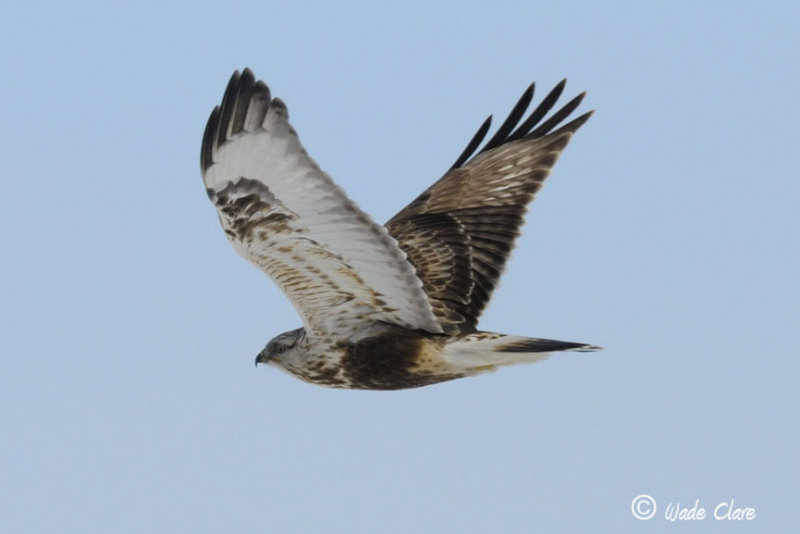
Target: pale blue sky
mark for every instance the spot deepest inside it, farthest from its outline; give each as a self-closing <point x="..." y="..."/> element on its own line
<point x="668" y="233"/>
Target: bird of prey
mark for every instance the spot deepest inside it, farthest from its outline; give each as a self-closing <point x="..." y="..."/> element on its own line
<point x="383" y="307"/>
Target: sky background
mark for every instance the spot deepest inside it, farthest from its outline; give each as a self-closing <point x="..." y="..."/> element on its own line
<point x="667" y="233"/>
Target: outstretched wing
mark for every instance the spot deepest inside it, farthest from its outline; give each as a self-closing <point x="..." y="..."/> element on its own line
<point x="460" y="231"/>
<point x="340" y="269"/>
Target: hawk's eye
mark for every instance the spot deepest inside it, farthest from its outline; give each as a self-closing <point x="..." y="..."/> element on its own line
<point x="281" y="349"/>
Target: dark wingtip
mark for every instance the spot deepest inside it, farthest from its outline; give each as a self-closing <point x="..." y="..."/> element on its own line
<point x="244" y="91"/>
<point x="244" y="105"/>
<point x="505" y="134"/>
<point x="502" y="134"/>
<point x="210" y="133"/>
<point x="573" y="125"/>
<point x="473" y="143"/>
<point x="226" y="108"/>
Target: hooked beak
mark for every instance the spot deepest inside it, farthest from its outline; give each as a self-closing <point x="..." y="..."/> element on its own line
<point x="262" y="357"/>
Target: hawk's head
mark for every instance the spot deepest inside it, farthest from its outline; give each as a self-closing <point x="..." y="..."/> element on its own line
<point x="280" y="347"/>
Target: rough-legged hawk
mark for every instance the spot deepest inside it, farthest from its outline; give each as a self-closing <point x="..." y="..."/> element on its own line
<point x="383" y="307"/>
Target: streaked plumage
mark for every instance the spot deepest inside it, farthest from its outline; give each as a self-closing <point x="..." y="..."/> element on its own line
<point x="383" y="307"/>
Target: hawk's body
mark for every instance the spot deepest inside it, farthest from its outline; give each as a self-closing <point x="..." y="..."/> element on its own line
<point x="383" y="307"/>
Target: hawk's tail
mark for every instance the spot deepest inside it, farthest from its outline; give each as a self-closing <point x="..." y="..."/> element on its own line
<point x="535" y="344"/>
<point x="484" y="351"/>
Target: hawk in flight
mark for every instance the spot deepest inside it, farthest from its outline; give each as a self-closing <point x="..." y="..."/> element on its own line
<point x="383" y="307"/>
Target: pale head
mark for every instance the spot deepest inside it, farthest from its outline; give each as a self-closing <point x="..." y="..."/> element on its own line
<point x="280" y="348"/>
